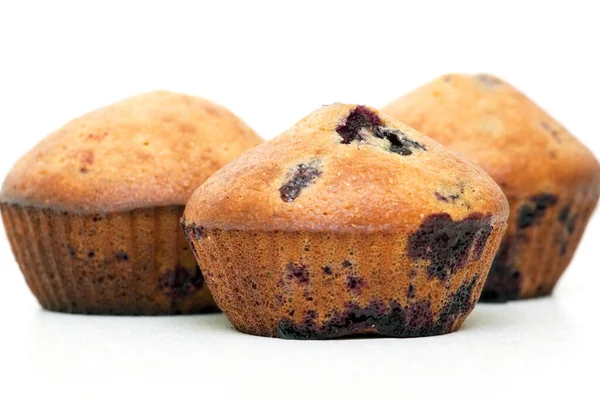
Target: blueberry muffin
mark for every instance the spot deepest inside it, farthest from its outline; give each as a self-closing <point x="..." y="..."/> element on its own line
<point x="336" y="227"/>
<point x="92" y="212"/>
<point x="551" y="180"/>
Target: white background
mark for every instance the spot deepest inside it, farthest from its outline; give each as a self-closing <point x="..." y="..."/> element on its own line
<point x="272" y="63"/>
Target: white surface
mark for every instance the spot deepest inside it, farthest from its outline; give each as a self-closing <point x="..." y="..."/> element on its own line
<point x="272" y="64"/>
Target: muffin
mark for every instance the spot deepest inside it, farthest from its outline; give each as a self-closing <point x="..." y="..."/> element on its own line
<point x="92" y="212"/>
<point x="551" y="180"/>
<point x="338" y="227"/>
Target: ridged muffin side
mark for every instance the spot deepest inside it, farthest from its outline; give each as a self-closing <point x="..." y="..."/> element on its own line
<point x="129" y="263"/>
<point x="319" y="285"/>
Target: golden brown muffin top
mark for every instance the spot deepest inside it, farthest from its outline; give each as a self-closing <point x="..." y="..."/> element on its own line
<point x="150" y="150"/>
<point x="494" y="125"/>
<point x="344" y="168"/>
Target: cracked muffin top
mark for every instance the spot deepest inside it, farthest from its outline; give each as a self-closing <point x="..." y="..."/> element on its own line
<point x="345" y="168"/>
<point x="499" y="128"/>
<point x="150" y="150"/>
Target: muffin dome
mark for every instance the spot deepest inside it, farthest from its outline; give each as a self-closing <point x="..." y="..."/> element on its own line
<point x="150" y="150"/>
<point x="92" y="212"/>
<point x="551" y="180"/>
<point x="346" y="214"/>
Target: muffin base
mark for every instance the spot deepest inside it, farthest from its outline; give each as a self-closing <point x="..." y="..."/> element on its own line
<point x="543" y="234"/>
<point x="300" y="285"/>
<point x="126" y="263"/>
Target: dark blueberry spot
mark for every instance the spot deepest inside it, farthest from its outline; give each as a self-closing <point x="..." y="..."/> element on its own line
<point x="180" y="283"/>
<point x="122" y="256"/>
<point x="71" y="251"/>
<point x="534" y="210"/>
<point x="346" y="264"/>
<point x="446" y="243"/>
<point x="392" y="319"/>
<point x="355" y="284"/>
<point x="460" y="303"/>
<point x="301" y="177"/>
<point x="564" y="245"/>
<point x="449" y="198"/>
<point x="504" y="280"/>
<point x="193" y="232"/>
<point x="399" y="143"/>
<point x="419" y="315"/>
<point x="359" y="118"/>
<point x="91" y="254"/>
<point x="288" y="330"/>
<point x="563" y="214"/>
<point x="569" y="221"/>
<point x="362" y="120"/>
<point x="199" y="232"/>
<point x="571" y="224"/>
<point x="481" y="241"/>
<point x="441" y="197"/>
<point x="298" y="273"/>
<point x="327" y="270"/>
<point x="97" y="218"/>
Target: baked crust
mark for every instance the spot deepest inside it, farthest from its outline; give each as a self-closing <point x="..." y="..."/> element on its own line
<point x="362" y="186"/>
<point x="496" y="126"/>
<point x="149" y="150"/>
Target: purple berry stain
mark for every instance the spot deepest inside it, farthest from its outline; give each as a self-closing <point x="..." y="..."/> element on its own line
<point x="504" y="279"/>
<point x="569" y="222"/>
<point x="121" y="256"/>
<point x="180" y="283"/>
<point x="301" y="176"/>
<point x="299" y="273"/>
<point x="359" y="118"/>
<point x="534" y="209"/>
<point x="391" y="319"/>
<point x="355" y="284"/>
<point x="362" y="121"/>
<point x="399" y="143"/>
<point x="447" y="243"/>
